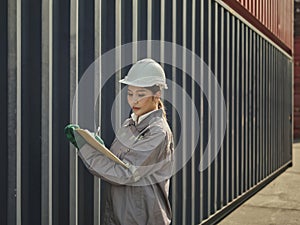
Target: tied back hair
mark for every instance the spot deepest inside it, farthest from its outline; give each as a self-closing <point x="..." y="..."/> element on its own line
<point x="154" y="89"/>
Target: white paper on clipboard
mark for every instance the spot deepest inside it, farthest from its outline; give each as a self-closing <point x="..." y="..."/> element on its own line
<point x="89" y="138"/>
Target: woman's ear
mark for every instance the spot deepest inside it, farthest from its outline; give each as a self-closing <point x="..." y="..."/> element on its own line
<point x="155" y="99"/>
<point x="157" y="94"/>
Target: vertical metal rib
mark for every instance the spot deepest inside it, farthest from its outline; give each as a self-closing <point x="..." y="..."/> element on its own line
<point x="267" y="115"/>
<point x="201" y="105"/>
<point x="262" y="118"/>
<point x="271" y="17"/>
<point x="232" y="119"/>
<point x="281" y="82"/>
<point x="282" y="104"/>
<point x="275" y="99"/>
<point x="271" y="113"/>
<point x="243" y="110"/>
<point x="284" y="117"/>
<point x="258" y="121"/>
<point x="262" y="102"/>
<point x="215" y="117"/>
<point x="222" y="112"/>
<point x="267" y="102"/>
<point x="276" y="111"/>
<point x="256" y="92"/>
<point x="238" y="149"/>
<point x="257" y="8"/>
<point x="279" y="107"/>
<point x="291" y="104"/>
<point x="209" y="194"/>
<point x="149" y="27"/>
<point x="184" y="116"/>
<point x="228" y="108"/>
<point x="255" y="76"/>
<point x="162" y="34"/>
<point x="260" y="10"/>
<point x="263" y="61"/>
<point x="97" y="181"/>
<point x="18" y="109"/>
<point x="217" y="110"/>
<point x="162" y="29"/>
<point x="193" y="172"/>
<point x="118" y="42"/>
<point x="46" y="160"/>
<point x="73" y="106"/>
<point x="250" y="111"/>
<point x="264" y="13"/>
<point x="246" y="111"/>
<point x="14" y="112"/>
<point x="174" y="181"/>
<point x="134" y="29"/>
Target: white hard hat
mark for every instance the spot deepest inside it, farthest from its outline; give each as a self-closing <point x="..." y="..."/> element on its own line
<point x="145" y="73"/>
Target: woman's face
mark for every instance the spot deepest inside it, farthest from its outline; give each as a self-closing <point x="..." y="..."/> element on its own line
<point x="141" y="100"/>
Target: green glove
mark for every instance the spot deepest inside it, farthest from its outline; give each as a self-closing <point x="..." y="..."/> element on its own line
<point x="76" y="139"/>
<point x="99" y="139"/>
<point x="69" y="131"/>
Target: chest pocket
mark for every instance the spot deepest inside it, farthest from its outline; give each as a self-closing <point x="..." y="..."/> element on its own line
<point x="118" y="149"/>
<point x="122" y="152"/>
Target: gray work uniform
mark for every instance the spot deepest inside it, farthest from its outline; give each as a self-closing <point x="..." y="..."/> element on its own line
<point x="138" y="195"/>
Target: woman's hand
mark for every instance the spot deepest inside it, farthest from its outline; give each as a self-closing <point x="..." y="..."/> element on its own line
<point x="69" y="131"/>
<point x="76" y="139"/>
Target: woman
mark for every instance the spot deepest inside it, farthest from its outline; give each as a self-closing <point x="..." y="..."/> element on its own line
<point x="138" y="195"/>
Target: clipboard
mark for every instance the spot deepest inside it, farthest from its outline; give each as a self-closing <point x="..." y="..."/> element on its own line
<point x="89" y="138"/>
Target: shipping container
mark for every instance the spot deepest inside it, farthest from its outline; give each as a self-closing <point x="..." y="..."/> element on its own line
<point x="272" y="17"/>
<point x="50" y="45"/>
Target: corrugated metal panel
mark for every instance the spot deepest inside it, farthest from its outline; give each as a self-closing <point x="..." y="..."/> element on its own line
<point x="275" y="15"/>
<point x="4" y="113"/>
<point x="253" y="73"/>
<point x="297" y="88"/>
<point x="46" y="114"/>
<point x="13" y="162"/>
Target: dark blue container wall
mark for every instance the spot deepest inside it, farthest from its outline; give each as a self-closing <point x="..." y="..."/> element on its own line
<point x="108" y="43"/>
<point x="61" y="111"/>
<point x="126" y="25"/>
<point x="31" y="112"/>
<point x="3" y="114"/>
<point x="253" y="73"/>
<point x="85" y="58"/>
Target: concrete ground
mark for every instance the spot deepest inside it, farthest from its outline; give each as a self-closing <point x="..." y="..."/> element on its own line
<point x="277" y="203"/>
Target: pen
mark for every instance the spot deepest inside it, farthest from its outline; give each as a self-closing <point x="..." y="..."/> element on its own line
<point x="98" y="131"/>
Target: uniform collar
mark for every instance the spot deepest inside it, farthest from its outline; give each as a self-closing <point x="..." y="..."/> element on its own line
<point x="137" y="119"/>
<point x="145" y="119"/>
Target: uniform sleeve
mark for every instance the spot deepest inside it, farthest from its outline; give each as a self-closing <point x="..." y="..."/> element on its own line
<point x="150" y="160"/>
